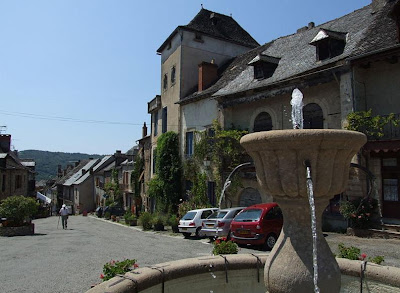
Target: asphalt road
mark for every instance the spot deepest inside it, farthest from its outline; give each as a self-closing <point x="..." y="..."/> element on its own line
<point x="57" y="260"/>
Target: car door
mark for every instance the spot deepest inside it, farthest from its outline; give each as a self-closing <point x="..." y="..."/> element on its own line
<point x="273" y="221"/>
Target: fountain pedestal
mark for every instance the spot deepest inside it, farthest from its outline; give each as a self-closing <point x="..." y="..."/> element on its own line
<point x="279" y="158"/>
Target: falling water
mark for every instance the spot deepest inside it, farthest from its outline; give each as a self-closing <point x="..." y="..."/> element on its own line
<point x="297" y="109"/>
<point x="313" y="225"/>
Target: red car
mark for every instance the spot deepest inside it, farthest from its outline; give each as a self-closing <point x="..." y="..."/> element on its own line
<point x="259" y="224"/>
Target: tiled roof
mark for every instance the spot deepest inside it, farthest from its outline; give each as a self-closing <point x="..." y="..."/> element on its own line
<point x="365" y="32"/>
<point x="218" y="26"/>
<point x="81" y="176"/>
<point x="63" y="179"/>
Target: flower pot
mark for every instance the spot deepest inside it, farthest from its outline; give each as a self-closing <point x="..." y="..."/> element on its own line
<point x="158" y="227"/>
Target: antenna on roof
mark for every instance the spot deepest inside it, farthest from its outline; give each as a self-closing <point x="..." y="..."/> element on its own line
<point x="201" y="6"/>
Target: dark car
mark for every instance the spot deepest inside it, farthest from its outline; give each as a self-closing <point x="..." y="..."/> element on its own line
<point x="259" y="224"/>
<point x="99" y="212"/>
<point x="114" y="211"/>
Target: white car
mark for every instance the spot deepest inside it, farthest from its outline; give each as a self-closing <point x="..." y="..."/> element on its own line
<point x="193" y="220"/>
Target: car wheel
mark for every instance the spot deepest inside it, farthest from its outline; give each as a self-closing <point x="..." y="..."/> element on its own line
<point x="186" y="234"/>
<point x="198" y="232"/>
<point x="270" y="241"/>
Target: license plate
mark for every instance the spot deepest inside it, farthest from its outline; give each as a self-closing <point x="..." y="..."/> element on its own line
<point x="183" y="229"/>
<point x="210" y="225"/>
<point x="244" y="232"/>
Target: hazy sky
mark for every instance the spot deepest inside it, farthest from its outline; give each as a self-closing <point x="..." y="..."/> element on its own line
<point x="76" y="75"/>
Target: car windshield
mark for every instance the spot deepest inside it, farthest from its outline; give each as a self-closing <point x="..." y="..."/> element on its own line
<point x="218" y="215"/>
<point x="249" y="215"/>
<point x="189" y="216"/>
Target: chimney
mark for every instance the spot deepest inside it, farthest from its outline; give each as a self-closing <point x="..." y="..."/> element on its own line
<point x="59" y="171"/>
<point x="144" y="130"/>
<point x="311" y="25"/>
<point x="208" y="74"/>
<point x="5" y="142"/>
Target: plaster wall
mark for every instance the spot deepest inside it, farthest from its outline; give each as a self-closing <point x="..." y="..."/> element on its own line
<point x="196" y="117"/>
<point x="377" y="87"/>
<point x="84" y="196"/>
<point x="327" y="96"/>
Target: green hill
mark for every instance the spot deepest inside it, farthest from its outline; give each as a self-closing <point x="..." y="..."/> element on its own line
<point x="47" y="162"/>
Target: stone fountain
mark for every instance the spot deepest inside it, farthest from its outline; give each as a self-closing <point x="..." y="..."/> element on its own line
<point x="280" y="158"/>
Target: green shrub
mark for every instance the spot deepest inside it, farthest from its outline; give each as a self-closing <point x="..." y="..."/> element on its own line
<point x="224" y="246"/>
<point x="377" y="259"/>
<point x="107" y="215"/>
<point x="173" y="220"/>
<point x="113" y="268"/>
<point x="351" y="252"/>
<point x="18" y="209"/>
<point x="359" y="211"/>
<point x="145" y="219"/>
<point x="128" y="216"/>
<point x="158" y="221"/>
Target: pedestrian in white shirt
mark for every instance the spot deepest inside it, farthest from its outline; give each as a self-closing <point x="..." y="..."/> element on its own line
<point x="64" y="216"/>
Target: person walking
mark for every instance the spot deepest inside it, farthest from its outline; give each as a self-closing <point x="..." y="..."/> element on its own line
<point x="64" y="216"/>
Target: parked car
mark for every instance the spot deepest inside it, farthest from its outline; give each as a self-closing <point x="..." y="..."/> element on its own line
<point x="218" y="224"/>
<point x="116" y="211"/>
<point x="259" y="224"/>
<point x="99" y="212"/>
<point x="191" y="222"/>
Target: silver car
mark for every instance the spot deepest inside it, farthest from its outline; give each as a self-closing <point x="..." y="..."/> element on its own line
<point x="218" y="224"/>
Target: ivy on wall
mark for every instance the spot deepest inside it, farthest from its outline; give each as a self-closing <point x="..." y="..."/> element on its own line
<point x="165" y="186"/>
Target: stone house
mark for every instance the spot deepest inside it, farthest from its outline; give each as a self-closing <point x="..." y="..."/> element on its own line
<point x="14" y="176"/>
<point x="344" y="65"/>
<point x="192" y="58"/>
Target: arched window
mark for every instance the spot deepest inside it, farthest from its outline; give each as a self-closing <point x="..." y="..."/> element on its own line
<point x="313" y="117"/>
<point x="165" y="82"/>
<point x="173" y="71"/>
<point x="263" y="122"/>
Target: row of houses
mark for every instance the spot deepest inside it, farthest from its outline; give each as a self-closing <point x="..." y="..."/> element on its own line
<point x="212" y="69"/>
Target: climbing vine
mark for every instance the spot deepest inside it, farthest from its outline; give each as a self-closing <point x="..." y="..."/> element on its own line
<point x="112" y="188"/>
<point x="370" y="125"/>
<point x="166" y="185"/>
<point x="222" y="148"/>
<point x="135" y="175"/>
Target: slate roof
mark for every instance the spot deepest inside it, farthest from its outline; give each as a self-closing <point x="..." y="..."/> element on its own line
<point x="365" y="32"/>
<point x="218" y="26"/>
<point x="80" y="176"/>
<point x="63" y="179"/>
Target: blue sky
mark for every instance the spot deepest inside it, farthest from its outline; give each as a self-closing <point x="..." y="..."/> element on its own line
<point x="76" y="75"/>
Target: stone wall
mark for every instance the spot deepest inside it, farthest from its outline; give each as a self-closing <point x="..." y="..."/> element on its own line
<point x="17" y="231"/>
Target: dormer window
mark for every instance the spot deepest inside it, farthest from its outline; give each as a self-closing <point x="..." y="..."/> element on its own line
<point x="264" y="66"/>
<point x="328" y="44"/>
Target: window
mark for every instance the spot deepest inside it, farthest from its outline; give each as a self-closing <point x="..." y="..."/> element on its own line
<point x="164" y="119"/>
<point x="263" y="122"/>
<point x="313" y="117"/>
<point x="211" y="193"/>
<point x="328" y="44"/>
<point x="154" y="160"/>
<point x="264" y="66"/>
<point x="18" y="181"/>
<point x="155" y="119"/>
<point x="205" y="214"/>
<point x="173" y="72"/>
<point x="165" y="82"/>
<point x="189" y="143"/>
<point x="390" y="190"/>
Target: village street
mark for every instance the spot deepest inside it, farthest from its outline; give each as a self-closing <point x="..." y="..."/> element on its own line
<point x="57" y="260"/>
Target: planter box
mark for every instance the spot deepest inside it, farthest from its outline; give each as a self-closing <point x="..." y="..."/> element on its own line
<point x="17" y="231"/>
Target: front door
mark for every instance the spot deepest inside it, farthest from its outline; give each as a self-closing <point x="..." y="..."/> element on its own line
<point x="390" y="187"/>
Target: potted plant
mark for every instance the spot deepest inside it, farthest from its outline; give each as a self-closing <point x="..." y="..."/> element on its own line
<point x="158" y="222"/>
<point x="173" y="221"/>
<point x="145" y="220"/>
<point x="130" y="219"/>
<point x="18" y="210"/>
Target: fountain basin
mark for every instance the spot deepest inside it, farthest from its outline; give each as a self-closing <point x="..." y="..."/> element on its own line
<point x="244" y="274"/>
<point x="281" y="158"/>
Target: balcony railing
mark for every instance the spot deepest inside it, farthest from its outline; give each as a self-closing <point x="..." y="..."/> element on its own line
<point x="154" y="104"/>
